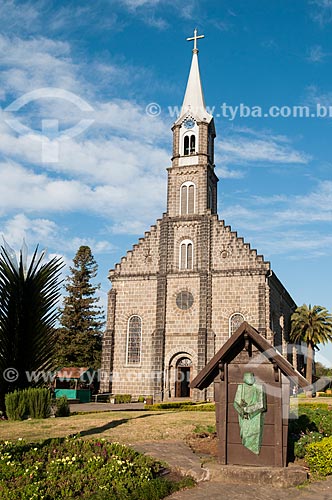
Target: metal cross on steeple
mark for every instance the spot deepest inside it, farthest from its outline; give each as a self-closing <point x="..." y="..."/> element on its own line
<point x="195" y="38"/>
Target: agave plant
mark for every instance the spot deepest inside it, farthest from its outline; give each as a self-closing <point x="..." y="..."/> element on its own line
<point x="28" y="313"/>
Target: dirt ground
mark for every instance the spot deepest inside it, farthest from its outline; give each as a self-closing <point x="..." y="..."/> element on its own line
<point x="203" y="444"/>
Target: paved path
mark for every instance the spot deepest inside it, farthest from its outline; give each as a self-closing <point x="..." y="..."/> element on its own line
<point x="95" y="407"/>
<point x="179" y="456"/>
<point x="227" y="491"/>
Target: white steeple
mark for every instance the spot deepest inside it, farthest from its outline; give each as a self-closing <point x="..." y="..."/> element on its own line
<point x="193" y="102"/>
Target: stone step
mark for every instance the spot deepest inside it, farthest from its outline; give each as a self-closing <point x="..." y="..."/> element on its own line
<point x="281" y="477"/>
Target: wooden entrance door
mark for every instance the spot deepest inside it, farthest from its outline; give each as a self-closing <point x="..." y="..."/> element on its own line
<point x="183" y="377"/>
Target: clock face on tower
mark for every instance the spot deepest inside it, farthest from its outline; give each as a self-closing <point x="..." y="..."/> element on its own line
<point x="189" y="123"/>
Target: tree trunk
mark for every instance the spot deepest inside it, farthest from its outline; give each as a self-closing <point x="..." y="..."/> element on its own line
<point x="310" y="356"/>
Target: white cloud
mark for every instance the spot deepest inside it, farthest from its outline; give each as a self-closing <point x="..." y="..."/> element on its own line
<point x="36" y="230"/>
<point x="316" y="54"/>
<point x="45" y="232"/>
<point x="281" y="224"/>
<point x="22" y="189"/>
<point x="227" y="172"/>
<point x="35" y="63"/>
<point x="315" y="96"/>
<point x="322" y="11"/>
<point x="109" y="167"/>
<point x="134" y="4"/>
<point x="245" y="146"/>
<point x="18" y="17"/>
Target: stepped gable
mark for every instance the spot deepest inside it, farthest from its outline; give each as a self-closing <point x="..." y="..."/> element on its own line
<point x="142" y="259"/>
<point x="231" y="252"/>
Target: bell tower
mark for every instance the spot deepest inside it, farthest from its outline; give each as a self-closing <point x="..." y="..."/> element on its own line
<point x="192" y="183"/>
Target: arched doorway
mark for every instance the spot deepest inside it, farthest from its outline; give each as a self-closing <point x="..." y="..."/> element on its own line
<point x="182" y="378"/>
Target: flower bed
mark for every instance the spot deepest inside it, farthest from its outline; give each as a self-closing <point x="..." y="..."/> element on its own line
<point x="306" y="430"/>
<point x="74" y="468"/>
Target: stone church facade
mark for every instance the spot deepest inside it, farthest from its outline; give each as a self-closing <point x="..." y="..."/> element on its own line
<point x="187" y="285"/>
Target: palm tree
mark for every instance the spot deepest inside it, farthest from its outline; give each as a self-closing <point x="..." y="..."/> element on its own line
<point x="312" y="325"/>
<point x="28" y="312"/>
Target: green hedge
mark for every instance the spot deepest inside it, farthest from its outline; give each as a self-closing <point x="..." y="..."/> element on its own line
<point x="121" y="398"/>
<point x="319" y="457"/>
<point x="33" y="403"/>
<point x="313" y="405"/>
<point x="201" y="407"/>
<point x="183" y="406"/>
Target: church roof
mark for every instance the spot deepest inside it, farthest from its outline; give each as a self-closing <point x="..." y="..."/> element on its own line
<point x="194" y="102"/>
<point x="72" y="372"/>
<point x="234" y="345"/>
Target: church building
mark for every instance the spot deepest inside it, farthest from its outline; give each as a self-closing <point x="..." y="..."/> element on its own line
<point x="189" y="283"/>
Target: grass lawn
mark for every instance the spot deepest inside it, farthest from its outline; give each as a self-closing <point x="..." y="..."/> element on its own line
<point x="127" y="427"/>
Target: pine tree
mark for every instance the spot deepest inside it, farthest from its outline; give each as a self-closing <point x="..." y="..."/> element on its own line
<point x="82" y="320"/>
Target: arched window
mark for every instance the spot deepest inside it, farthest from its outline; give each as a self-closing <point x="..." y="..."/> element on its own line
<point x="186" y="146"/>
<point x="187" y="198"/>
<point x="192" y="145"/>
<point x="186" y="254"/>
<point x="189" y="145"/>
<point x="234" y="322"/>
<point x="134" y="340"/>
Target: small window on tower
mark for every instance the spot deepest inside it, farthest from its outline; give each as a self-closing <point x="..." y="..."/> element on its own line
<point x="192" y="145"/>
<point x="186" y="149"/>
<point x="191" y="199"/>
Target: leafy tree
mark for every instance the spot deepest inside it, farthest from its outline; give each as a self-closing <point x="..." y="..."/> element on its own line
<point x="28" y="313"/>
<point x="79" y="339"/>
<point x="312" y="325"/>
<point x="322" y="370"/>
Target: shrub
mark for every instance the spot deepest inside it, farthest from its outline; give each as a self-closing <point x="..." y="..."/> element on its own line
<point x="32" y="402"/>
<point x="122" y="398"/>
<point x="319" y="457"/>
<point x="16" y="405"/>
<point x="301" y="445"/>
<point x="76" y="468"/>
<point x="312" y="424"/>
<point x="39" y="401"/>
<point x="61" y="407"/>
<point x="317" y="419"/>
<point x="141" y="399"/>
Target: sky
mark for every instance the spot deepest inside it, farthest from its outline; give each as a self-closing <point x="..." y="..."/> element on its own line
<point x="88" y="95"/>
